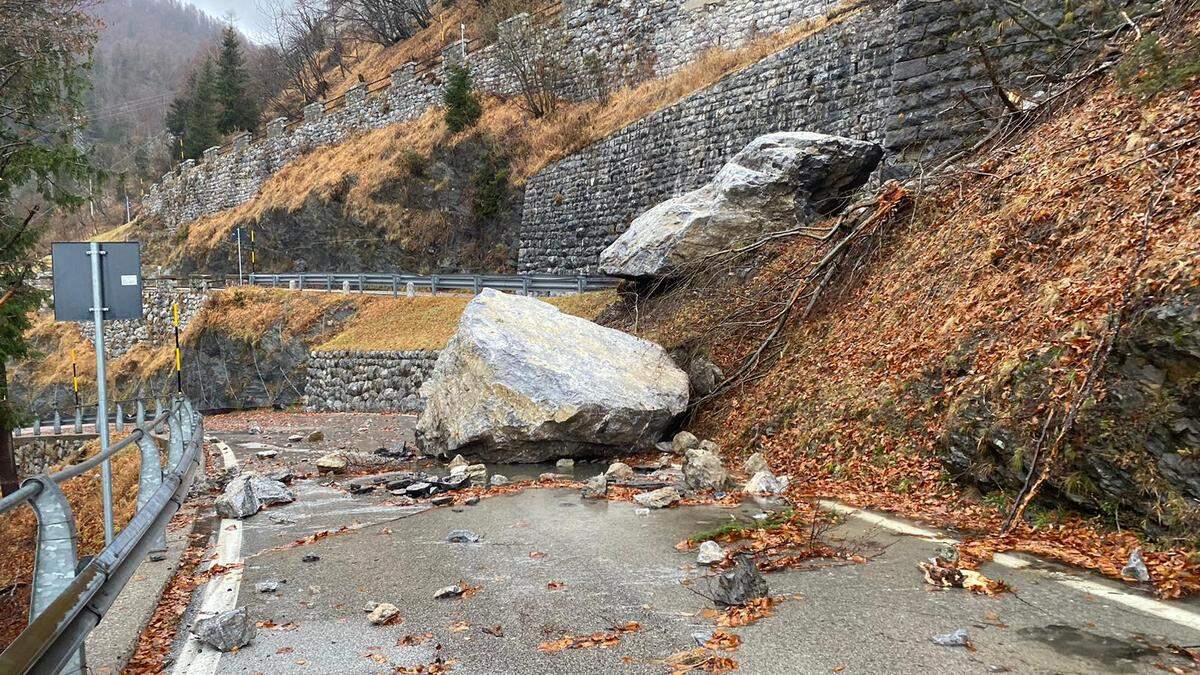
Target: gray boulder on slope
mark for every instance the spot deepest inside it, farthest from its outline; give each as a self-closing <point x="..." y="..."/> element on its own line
<point x="523" y="382"/>
<point x="777" y="181"/>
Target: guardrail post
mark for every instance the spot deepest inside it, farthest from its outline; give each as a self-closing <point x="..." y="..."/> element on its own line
<point x="410" y="290"/>
<point x="582" y="281"/>
<point x="120" y="418"/>
<point x="16" y="431"/>
<point x="524" y="285"/>
<point x="393" y="285"/>
<point x="55" y="561"/>
<point x="345" y="285"/>
<point x="37" y="426"/>
<point x="175" y="443"/>
<point x="328" y="282"/>
<point x="362" y="283"/>
<point x="475" y="283"/>
<point x="433" y="285"/>
<point x="149" y="478"/>
<point x="78" y="419"/>
<point x="57" y="423"/>
<point x="157" y="407"/>
<point x="141" y="413"/>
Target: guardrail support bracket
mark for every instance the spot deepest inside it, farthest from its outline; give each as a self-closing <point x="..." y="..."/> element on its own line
<point x="56" y="558"/>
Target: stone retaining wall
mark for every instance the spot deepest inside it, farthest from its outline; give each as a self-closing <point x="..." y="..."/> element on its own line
<point x="156" y="326"/>
<point x="899" y="73"/>
<point x="36" y="454"/>
<point x="376" y="381"/>
<point x="608" y="44"/>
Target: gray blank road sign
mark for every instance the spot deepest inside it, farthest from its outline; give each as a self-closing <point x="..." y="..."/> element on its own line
<point x="121" y="280"/>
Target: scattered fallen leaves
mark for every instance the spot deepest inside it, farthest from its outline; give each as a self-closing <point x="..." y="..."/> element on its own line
<point x="700" y="660"/>
<point x="723" y="641"/>
<point x="749" y="613"/>
<point x="413" y="640"/>
<point x="603" y="639"/>
<point x="555" y="585"/>
<point x="459" y="626"/>
<point x="494" y="631"/>
<point x="943" y="574"/>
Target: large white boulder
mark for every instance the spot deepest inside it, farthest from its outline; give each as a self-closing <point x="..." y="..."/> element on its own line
<point x="775" y="182"/>
<point x="522" y="382"/>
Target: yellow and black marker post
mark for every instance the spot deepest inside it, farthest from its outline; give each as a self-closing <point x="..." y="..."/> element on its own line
<point x="253" y="252"/>
<point x="178" y="354"/>
<point x="74" y="379"/>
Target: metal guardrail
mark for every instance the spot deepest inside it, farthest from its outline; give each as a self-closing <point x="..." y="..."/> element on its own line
<point x="68" y="598"/>
<point x="411" y="283"/>
<point x="75" y="422"/>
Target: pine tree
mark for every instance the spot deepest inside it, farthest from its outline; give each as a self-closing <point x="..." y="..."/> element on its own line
<point x="200" y="132"/>
<point x="462" y="104"/>
<point x="181" y="107"/>
<point x="238" y="111"/>
<point x="45" y="48"/>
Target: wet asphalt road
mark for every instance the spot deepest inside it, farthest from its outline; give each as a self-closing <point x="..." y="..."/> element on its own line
<point x="615" y="566"/>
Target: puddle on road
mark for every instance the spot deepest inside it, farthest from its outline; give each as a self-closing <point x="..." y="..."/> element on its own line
<point x="1114" y="654"/>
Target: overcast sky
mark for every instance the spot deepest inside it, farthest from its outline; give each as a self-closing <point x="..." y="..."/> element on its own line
<point x="250" y="16"/>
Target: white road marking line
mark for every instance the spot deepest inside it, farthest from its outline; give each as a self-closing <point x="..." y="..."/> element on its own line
<point x="220" y="594"/>
<point x="1141" y="603"/>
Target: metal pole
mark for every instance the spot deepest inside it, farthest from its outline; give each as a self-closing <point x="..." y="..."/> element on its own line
<point x="101" y="390"/>
<point x="178" y="354"/>
<point x="239" y="239"/>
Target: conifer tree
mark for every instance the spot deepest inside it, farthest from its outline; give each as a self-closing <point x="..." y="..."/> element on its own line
<point x="200" y="131"/>
<point x="462" y="104"/>
<point x="238" y="111"/>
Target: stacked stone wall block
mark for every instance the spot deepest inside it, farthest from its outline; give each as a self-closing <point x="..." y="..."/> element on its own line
<point x="367" y="381"/>
<point x="155" y="327"/>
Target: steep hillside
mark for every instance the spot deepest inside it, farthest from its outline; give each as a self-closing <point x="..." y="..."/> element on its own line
<point x="1023" y="323"/>
<point x="415" y="196"/>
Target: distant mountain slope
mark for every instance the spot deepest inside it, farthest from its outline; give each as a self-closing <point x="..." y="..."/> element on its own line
<point x="144" y="51"/>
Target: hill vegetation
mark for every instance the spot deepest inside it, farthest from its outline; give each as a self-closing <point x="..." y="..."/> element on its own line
<point x="1012" y="336"/>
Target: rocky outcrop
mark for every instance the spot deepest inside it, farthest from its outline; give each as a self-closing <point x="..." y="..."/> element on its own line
<point x="775" y="182"/>
<point x="523" y="382"/>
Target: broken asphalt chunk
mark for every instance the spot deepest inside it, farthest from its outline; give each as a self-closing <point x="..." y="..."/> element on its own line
<point x="463" y="537"/>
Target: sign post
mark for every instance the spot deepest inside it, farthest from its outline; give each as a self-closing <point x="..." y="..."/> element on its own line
<point x="112" y="291"/>
<point x="178" y="354"/>
<point x="98" y="310"/>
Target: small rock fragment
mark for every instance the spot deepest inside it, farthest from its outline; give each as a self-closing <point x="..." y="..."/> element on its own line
<point x="740" y="585"/>
<point x="310" y="558"/>
<point x="315" y="437"/>
<point x="755" y="463"/>
<point x="226" y="631"/>
<point x="684" y="441"/>
<point x="702" y="637"/>
<point x="238" y="500"/>
<point x="641" y="512"/>
<point x="331" y="463"/>
<point x="370" y="606"/>
<point x="448" y="592"/>
<point x="458" y="461"/>
<point x="764" y="483"/>
<point x="619" y="471"/>
<point x="284" y="476"/>
<point x="596" y="487"/>
<point x="266" y="454"/>
<point x="551" y="477"/>
<point x="659" y="499"/>
<point x="270" y="492"/>
<point x="498" y="480"/>
<point x="478" y="474"/>
<point x="958" y="638"/>
<point x="280" y="519"/>
<point x="383" y="614"/>
<point x="565" y="464"/>
<point x="703" y="470"/>
<point x="471" y="501"/>
<point x="462" y="537"/>
<point x="295" y="438"/>
<point x="442" y="500"/>
<point x="710" y="553"/>
<point x="266" y="586"/>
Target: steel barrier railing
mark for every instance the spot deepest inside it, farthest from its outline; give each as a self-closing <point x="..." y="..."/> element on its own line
<point x="68" y="599"/>
<point x="395" y="284"/>
<point x="74" y="422"/>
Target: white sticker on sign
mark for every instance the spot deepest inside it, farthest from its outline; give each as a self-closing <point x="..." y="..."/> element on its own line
<point x="129" y="280"/>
